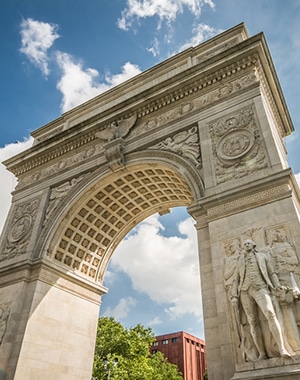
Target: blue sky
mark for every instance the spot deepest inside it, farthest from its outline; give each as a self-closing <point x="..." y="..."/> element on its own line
<point x="55" y="54"/>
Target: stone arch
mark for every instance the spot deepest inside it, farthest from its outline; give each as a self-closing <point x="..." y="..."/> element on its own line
<point x="103" y="207"/>
<point x="210" y="124"/>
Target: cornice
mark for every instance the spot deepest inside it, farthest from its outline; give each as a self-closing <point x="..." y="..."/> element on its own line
<point x="62" y="144"/>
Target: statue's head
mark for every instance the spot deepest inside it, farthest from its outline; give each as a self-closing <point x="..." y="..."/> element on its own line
<point x="249" y="244"/>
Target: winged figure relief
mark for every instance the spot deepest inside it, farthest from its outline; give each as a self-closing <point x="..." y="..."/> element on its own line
<point x="117" y="129"/>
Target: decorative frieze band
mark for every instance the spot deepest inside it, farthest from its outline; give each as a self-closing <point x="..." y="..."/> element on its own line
<point x="248" y="201"/>
<point x="196" y="104"/>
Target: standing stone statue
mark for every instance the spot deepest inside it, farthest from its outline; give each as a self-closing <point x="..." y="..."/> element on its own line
<point x="284" y="258"/>
<point x="4" y="314"/>
<point x="254" y="279"/>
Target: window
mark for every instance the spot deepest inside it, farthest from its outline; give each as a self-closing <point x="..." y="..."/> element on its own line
<point x="155" y="343"/>
<point x="174" y="340"/>
<point x="154" y="351"/>
<point x="165" y="341"/>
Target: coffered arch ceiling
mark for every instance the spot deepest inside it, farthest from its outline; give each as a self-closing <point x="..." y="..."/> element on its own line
<point x="104" y="213"/>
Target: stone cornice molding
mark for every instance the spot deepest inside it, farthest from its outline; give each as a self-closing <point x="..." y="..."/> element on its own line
<point x="260" y="192"/>
<point x="203" y="87"/>
<point x="40" y="270"/>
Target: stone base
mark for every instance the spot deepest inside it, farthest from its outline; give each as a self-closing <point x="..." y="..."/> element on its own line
<point x="271" y="369"/>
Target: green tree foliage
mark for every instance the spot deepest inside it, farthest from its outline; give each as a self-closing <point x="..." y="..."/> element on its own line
<point x="130" y="347"/>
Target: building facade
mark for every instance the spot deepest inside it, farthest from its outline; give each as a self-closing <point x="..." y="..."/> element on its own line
<point x="186" y="351"/>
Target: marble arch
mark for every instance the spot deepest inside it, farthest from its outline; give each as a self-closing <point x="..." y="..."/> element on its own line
<point x="205" y="129"/>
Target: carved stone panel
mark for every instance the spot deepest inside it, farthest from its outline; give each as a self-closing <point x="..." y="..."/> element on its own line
<point x="20" y="229"/>
<point x="58" y="193"/>
<point x="237" y="146"/>
<point x="262" y="285"/>
<point x="185" y="143"/>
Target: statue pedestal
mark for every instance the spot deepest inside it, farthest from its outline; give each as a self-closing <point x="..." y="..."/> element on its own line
<point x="271" y="369"/>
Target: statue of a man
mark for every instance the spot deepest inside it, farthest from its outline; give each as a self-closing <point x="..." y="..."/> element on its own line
<point x="254" y="279"/>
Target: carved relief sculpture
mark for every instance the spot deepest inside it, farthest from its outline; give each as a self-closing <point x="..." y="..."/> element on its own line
<point x="117" y="129"/>
<point x="113" y="134"/>
<point x="285" y="261"/>
<point x="4" y="314"/>
<point x="237" y="146"/>
<point x="20" y="230"/>
<point x="58" y="193"/>
<point x="262" y="293"/>
<point x="185" y="143"/>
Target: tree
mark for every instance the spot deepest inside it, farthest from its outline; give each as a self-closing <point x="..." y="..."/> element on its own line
<point x="130" y="349"/>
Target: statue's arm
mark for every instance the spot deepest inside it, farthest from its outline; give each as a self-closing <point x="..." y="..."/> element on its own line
<point x="273" y="276"/>
<point x="235" y="283"/>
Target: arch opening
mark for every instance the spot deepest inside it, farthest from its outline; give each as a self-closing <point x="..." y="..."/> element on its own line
<point x="153" y="276"/>
<point x="101" y="216"/>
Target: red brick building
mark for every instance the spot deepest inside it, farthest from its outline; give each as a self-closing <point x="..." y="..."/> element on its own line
<point x="184" y="350"/>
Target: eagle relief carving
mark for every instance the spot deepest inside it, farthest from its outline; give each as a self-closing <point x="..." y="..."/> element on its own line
<point x="113" y="134"/>
<point x="117" y="129"/>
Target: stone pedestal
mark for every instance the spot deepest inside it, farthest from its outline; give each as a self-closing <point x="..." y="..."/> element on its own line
<point x="272" y="369"/>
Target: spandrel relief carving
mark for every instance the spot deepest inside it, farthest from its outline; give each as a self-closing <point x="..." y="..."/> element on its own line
<point x="185" y="143"/>
<point x="263" y="293"/>
<point x="58" y="193"/>
<point x="237" y="146"/>
<point x="20" y="230"/>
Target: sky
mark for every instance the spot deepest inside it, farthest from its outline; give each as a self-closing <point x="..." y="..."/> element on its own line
<point x="56" y="54"/>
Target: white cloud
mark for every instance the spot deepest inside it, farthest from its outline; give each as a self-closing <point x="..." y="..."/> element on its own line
<point x="155" y="321"/>
<point x="154" y="49"/>
<point x="201" y="32"/>
<point x="78" y="85"/>
<point x="166" y="10"/>
<point x="7" y="179"/>
<point x="129" y="70"/>
<point x="37" y="39"/>
<point x="165" y="268"/>
<point x="122" y="310"/>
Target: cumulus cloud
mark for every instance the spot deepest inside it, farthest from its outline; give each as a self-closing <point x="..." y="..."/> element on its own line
<point x="200" y="33"/>
<point x="155" y="321"/>
<point x="37" y="38"/>
<point x="7" y="179"/>
<point x="164" y="268"/>
<point x="165" y="10"/>
<point x="122" y="309"/>
<point x="78" y="84"/>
